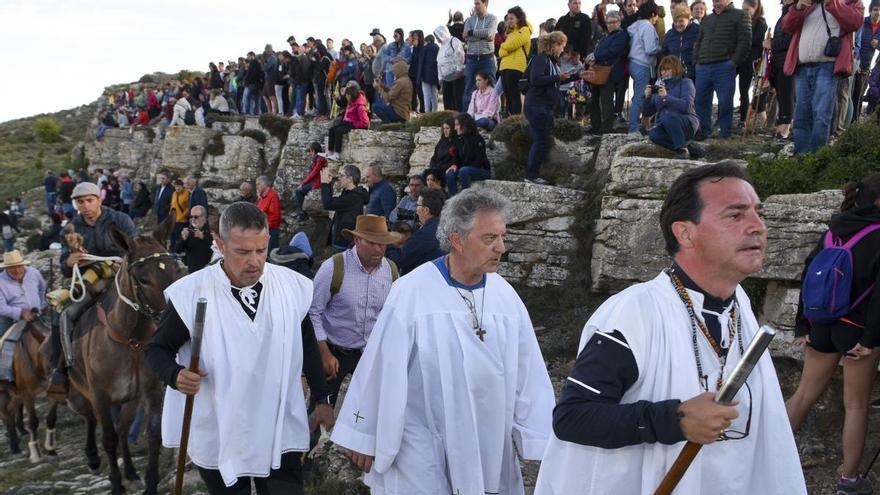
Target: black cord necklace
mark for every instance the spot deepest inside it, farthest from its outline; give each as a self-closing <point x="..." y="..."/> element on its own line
<point x="477" y="324"/>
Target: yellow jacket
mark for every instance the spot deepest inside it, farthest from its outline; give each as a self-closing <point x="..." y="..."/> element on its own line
<point x="511" y="51"/>
<point x="180" y="205"/>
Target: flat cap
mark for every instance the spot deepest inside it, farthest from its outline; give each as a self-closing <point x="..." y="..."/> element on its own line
<point x="86" y="189"/>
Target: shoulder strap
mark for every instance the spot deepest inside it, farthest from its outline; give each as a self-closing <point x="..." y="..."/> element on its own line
<point x="394" y="273"/>
<point x="861" y="235"/>
<point x="338" y="273"/>
<point x="827" y="28"/>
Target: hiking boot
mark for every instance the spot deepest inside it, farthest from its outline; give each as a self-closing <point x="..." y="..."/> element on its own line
<point x="696" y="150"/>
<point x="859" y="486"/>
<point x="58" y="385"/>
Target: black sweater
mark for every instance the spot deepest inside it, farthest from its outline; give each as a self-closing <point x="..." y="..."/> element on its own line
<point x="348" y="205"/>
<point x="445" y="154"/>
<point x="866" y="271"/>
<point x="472" y="151"/>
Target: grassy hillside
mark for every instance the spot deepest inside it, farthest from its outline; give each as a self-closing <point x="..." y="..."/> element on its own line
<point x="24" y="160"/>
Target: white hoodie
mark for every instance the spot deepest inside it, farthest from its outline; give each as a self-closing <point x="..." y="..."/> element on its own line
<point x="450" y="58"/>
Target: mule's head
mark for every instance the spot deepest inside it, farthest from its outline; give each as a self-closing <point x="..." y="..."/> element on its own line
<point x="148" y="269"/>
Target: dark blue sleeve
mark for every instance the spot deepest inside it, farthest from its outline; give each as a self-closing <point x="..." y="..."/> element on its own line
<point x="388" y="199"/>
<point x="539" y="74"/>
<point x="683" y="103"/>
<point x="589" y="410"/>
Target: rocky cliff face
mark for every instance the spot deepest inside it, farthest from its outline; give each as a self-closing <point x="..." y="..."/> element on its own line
<point x="604" y="180"/>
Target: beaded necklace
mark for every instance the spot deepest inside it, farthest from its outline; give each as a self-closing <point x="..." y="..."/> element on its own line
<point x="735" y="325"/>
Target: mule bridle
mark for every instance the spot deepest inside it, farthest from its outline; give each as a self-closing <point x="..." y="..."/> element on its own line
<point x="139" y="305"/>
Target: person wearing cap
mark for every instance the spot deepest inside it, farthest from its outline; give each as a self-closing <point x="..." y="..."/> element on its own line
<point x="344" y="309"/>
<point x="93" y="223"/>
<point x="451" y="389"/>
<point x="22" y="290"/>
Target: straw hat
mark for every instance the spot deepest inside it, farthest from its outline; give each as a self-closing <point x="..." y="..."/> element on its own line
<point x="13" y="258"/>
<point x="372" y="228"/>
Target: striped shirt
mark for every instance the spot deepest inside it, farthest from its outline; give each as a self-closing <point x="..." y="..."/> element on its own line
<point x="480" y="39"/>
<point x="347" y="319"/>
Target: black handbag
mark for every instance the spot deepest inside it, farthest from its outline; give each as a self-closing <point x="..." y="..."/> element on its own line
<point x="832" y="47"/>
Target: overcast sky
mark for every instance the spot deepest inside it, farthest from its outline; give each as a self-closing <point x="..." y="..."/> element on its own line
<point x="60" y="53"/>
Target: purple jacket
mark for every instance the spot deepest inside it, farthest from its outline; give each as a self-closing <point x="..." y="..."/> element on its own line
<point x="679" y="100"/>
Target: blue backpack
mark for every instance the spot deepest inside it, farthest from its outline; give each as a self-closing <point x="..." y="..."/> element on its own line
<point x="828" y="281"/>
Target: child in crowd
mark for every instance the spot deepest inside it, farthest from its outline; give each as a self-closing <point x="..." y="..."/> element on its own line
<point x="569" y="62"/>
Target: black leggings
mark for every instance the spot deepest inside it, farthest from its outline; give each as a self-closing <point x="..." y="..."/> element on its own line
<point x="784" y="85"/>
<point x="287" y="480"/>
<point x="334" y="139"/>
<point x="510" y="82"/>
<point x="453" y="92"/>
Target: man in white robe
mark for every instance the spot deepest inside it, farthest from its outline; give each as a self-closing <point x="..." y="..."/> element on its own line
<point x="249" y="415"/>
<point x="652" y="357"/>
<point x="452" y="387"/>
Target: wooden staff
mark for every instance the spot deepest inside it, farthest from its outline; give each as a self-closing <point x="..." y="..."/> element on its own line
<point x="195" y="349"/>
<point x="724" y="396"/>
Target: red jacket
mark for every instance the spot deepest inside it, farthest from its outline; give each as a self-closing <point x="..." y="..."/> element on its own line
<point x="356" y="115"/>
<point x="271" y="206"/>
<point x="314" y="177"/>
<point x="849" y="14"/>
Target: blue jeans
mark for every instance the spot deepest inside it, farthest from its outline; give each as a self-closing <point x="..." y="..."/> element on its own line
<point x="541" y="129"/>
<point x="251" y="100"/>
<point x="8" y="244"/>
<point x="300" y="193"/>
<point x="641" y="76"/>
<point x="472" y="65"/>
<point x="486" y="123"/>
<point x="672" y="131"/>
<point x="816" y="90"/>
<point x="385" y="112"/>
<point x="50" y="200"/>
<point x="719" y="78"/>
<point x="273" y="239"/>
<point x="299" y="96"/>
<point x="464" y="176"/>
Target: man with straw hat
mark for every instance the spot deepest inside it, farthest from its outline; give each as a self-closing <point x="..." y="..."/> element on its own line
<point x="22" y="290"/>
<point x="350" y="290"/>
<point x="22" y="296"/>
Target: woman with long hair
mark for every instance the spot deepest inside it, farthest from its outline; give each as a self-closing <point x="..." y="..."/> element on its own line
<point x="514" y="53"/>
<point x="472" y="164"/>
<point x="855" y="336"/>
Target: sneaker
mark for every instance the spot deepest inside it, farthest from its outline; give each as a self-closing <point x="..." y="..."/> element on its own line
<point x="860" y="486"/>
<point x="539" y="181"/>
<point x="333" y="156"/>
<point x="296" y="116"/>
<point x="682" y="154"/>
<point x="875" y="404"/>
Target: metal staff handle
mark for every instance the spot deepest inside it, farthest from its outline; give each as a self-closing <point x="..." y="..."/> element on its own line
<point x="724" y="396"/>
<point x="196" y="348"/>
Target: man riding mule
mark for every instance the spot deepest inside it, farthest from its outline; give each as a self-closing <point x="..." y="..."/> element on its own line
<point x="108" y="366"/>
<point x="91" y="238"/>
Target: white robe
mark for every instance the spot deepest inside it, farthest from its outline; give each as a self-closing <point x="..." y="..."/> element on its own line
<point x="442" y="411"/>
<point x="655" y="323"/>
<point x="250" y="408"/>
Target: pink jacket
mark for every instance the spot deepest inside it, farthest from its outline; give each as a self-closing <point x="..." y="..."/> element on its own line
<point x="484" y="105"/>
<point x="849" y="14"/>
<point x="356" y="113"/>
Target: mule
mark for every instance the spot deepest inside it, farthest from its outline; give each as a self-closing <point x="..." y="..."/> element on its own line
<point x="109" y="366"/>
<point x="30" y="368"/>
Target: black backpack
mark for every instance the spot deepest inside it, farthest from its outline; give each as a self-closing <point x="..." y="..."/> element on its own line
<point x="523" y="83"/>
<point x="189" y="118"/>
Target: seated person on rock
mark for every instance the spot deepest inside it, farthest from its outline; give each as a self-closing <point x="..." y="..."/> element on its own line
<point x="671" y="99"/>
<point x="434" y="179"/>
<point x="355" y="117"/>
<point x="445" y="155"/>
<point x="473" y="164"/>
<point x="90" y="228"/>
<point x="485" y="104"/>
<point x="396" y="104"/>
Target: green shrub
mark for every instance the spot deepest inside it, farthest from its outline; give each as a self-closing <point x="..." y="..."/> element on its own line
<point x="567" y="130"/>
<point x="276" y="125"/>
<point x="47" y="130"/>
<point x="505" y="130"/>
<point x="397" y="126"/>
<point x="258" y="136"/>
<point x="148" y="79"/>
<point x="855" y="156"/>
<point x="431" y="119"/>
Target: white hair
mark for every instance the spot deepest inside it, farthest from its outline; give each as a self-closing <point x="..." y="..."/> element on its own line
<point x="459" y="213"/>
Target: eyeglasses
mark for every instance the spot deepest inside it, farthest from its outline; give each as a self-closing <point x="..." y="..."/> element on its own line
<point x="195" y="216"/>
<point x="739" y="435"/>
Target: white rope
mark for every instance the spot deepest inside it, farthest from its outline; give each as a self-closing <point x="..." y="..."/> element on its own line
<point x="76" y="278"/>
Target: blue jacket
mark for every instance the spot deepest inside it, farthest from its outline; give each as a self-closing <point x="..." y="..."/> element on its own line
<point x="198" y="196"/>
<point x="866" y="51"/>
<point x="543" y="82"/>
<point x="382" y="199"/>
<point x="679" y="100"/>
<point x="612" y="51"/>
<point x="392" y="51"/>
<point x="428" y="64"/>
<point x="349" y="71"/>
<point x="421" y="248"/>
<point x="681" y="45"/>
